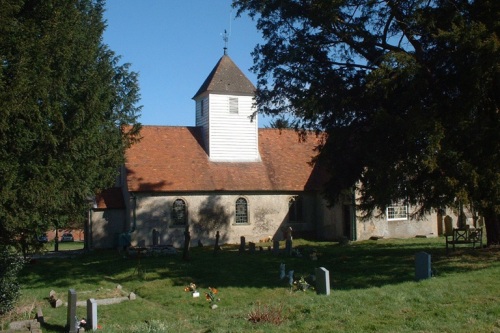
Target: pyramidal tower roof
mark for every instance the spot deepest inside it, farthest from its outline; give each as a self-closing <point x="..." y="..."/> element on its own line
<point x="226" y="78"/>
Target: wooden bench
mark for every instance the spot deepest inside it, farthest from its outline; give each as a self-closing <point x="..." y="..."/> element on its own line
<point x="471" y="236"/>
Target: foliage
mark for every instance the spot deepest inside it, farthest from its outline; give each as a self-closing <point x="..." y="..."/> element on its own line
<point x="407" y="92"/>
<point x="211" y="295"/>
<point x="281" y="122"/>
<point x="10" y="265"/>
<point x="68" y="114"/>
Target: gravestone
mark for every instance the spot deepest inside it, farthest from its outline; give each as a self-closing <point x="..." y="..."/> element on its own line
<point x="288" y="247"/>
<point x="187" y="243"/>
<point x="422" y="266"/>
<point x="156" y="237"/>
<point x="282" y="271"/>
<point x="276" y="247"/>
<point x="322" y="281"/>
<point x="71" y="320"/>
<point x="288" y="242"/>
<point x="216" y="245"/>
<point x="242" y="244"/>
<point x="39" y="315"/>
<point x="91" y="314"/>
<point x="290" y="278"/>
<point x="448" y="225"/>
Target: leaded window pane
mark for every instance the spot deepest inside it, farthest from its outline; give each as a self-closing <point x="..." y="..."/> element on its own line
<point x="241" y="211"/>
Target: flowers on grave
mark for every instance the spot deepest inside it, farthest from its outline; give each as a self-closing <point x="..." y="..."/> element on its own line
<point x="301" y="284"/>
<point x="191" y="287"/>
<point x="211" y="296"/>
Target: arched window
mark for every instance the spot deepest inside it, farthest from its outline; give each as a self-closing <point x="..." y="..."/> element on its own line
<point x="241" y="211"/>
<point x="295" y="210"/>
<point x="179" y="214"/>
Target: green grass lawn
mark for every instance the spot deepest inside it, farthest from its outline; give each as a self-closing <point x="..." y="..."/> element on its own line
<point x="373" y="289"/>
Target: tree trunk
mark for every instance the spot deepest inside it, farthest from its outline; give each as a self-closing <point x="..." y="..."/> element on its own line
<point x="492" y="223"/>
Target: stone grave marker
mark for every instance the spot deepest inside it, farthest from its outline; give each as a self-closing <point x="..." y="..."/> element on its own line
<point x="242" y="244"/>
<point x="322" y="281"/>
<point x="288" y="241"/>
<point x="92" y="314"/>
<point x="422" y="266"/>
<point x="276" y="247"/>
<point x="290" y="278"/>
<point x="251" y="247"/>
<point x="39" y="315"/>
<point x="448" y="225"/>
<point x="71" y="320"/>
<point x="156" y="237"/>
<point x="216" y="245"/>
<point x="282" y="271"/>
<point x="288" y="247"/>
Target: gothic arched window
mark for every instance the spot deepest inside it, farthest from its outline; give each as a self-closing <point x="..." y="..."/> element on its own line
<point x="241" y="211"/>
<point x="179" y="213"/>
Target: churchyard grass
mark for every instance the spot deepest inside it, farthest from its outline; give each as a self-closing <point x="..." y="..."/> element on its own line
<point x="373" y="289"/>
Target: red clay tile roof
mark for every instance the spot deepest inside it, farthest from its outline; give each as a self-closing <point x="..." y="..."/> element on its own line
<point x="226" y="78"/>
<point x="172" y="159"/>
<point x="111" y="198"/>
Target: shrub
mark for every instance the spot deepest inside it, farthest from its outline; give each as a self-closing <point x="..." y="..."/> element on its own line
<point x="10" y="265"/>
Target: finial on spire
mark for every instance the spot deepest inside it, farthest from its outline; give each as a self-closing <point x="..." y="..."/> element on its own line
<point x="225" y="38"/>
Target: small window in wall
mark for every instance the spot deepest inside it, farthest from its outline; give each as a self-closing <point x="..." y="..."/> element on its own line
<point x="233" y="105"/>
<point x="295" y="210"/>
<point x="241" y="211"/>
<point x="397" y="212"/>
<point x="179" y="213"/>
<point x="202" y="105"/>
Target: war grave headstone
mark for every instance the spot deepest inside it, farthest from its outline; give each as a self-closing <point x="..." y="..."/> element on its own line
<point x="423" y="268"/>
<point x="322" y="281"/>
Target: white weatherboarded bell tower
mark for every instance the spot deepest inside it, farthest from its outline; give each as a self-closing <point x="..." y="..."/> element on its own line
<point x="224" y="109"/>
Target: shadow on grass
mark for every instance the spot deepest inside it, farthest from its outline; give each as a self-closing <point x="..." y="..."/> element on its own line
<point x="53" y="328"/>
<point x="359" y="265"/>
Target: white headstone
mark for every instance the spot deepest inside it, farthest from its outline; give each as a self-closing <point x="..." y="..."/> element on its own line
<point x="92" y="314"/>
<point x="322" y="281"/>
<point x="422" y="266"/>
<point x="71" y="320"/>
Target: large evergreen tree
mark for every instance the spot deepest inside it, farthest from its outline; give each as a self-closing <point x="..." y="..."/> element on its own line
<point x="68" y="112"/>
<point x="407" y="91"/>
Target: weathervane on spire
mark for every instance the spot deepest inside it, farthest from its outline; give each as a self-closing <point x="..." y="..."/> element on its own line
<point x="225" y="38"/>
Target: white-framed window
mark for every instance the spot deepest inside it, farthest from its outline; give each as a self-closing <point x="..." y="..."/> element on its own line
<point x="397" y="212"/>
<point x="241" y="211"/>
<point x="233" y="104"/>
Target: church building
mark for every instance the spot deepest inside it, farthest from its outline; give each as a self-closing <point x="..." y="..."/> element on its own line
<point x="227" y="175"/>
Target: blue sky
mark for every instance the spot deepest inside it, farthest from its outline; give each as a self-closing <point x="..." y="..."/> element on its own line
<point x="173" y="45"/>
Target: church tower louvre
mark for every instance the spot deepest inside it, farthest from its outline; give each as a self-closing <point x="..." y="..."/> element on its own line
<point x="225" y="110"/>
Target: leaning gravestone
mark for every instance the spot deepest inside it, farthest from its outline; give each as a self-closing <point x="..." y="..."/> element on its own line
<point x="92" y="314"/>
<point x="322" y="281"/>
<point x="422" y="266"/>
<point x="71" y="320"/>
